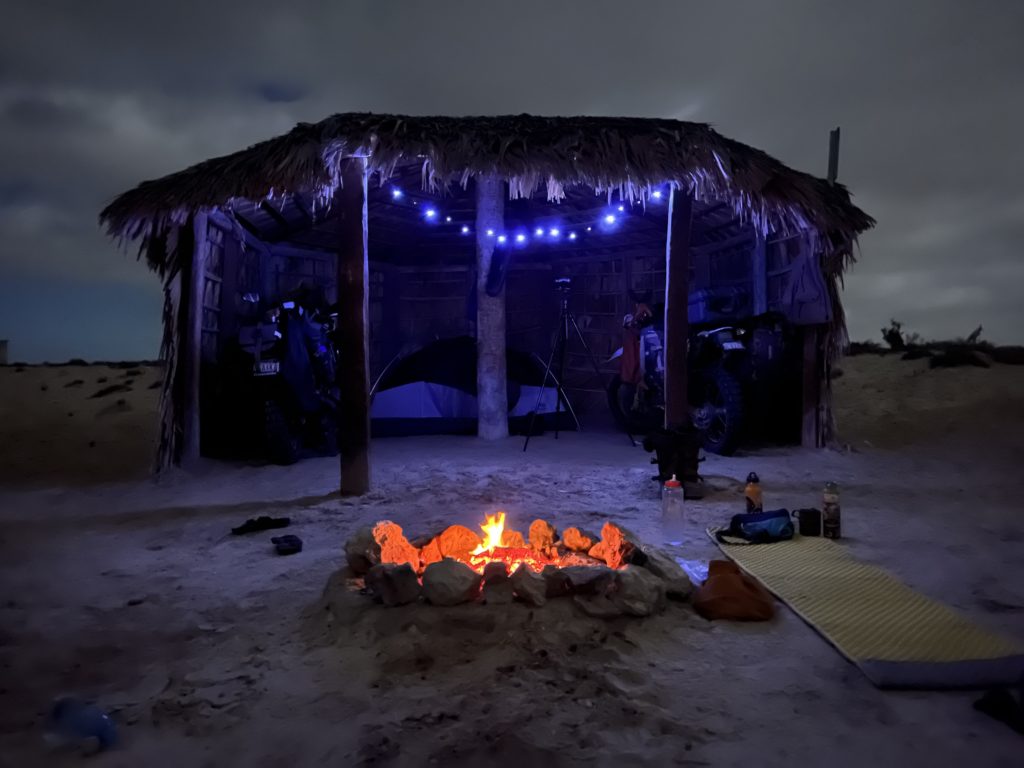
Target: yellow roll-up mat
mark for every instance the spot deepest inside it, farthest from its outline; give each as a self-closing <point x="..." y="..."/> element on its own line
<point x="898" y="637"/>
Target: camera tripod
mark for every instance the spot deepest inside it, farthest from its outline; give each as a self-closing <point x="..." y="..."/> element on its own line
<point x="559" y="346"/>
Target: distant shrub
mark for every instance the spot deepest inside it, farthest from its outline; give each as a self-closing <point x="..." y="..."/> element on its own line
<point x="1008" y="355"/>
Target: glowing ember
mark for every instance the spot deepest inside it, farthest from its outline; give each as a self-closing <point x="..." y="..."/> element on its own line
<point x="491" y="549"/>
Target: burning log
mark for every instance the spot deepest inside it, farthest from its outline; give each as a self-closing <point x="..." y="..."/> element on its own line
<point x="456" y="542"/>
<point x="542" y="536"/>
<point x="513" y="540"/>
<point x="450" y="582"/>
<point x="577" y="540"/>
<point x="394" y="547"/>
<point x="615" y="547"/>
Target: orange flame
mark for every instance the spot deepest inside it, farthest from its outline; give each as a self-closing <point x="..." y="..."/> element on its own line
<point x="492" y="528"/>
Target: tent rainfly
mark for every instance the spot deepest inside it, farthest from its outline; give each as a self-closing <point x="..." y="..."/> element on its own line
<point x="331" y="163"/>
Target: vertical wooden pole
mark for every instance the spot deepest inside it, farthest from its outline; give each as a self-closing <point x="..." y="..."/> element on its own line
<point x="811" y="399"/>
<point x="759" y="275"/>
<point x="491" y="376"/>
<point x="193" y="341"/>
<point x="353" y="373"/>
<point x="677" y="305"/>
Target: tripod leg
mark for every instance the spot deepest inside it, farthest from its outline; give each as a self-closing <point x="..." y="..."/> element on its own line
<point x="593" y="362"/>
<point x="543" y="383"/>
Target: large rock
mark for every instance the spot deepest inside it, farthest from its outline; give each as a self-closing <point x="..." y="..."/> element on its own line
<point x="542" y="536"/>
<point x="615" y="548"/>
<point x="394" y="547"/>
<point x="455" y="541"/>
<point x="677" y="584"/>
<point x="529" y="586"/>
<point x="449" y="582"/>
<point x="588" y="579"/>
<point x="556" y="583"/>
<point x="393" y="584"/>
<point x="634" y="592"/>
<point x="577" y="540"/>
<point x="362" y="551"/>
<point x="497" y="586"/>
<point x="638" y="592"/>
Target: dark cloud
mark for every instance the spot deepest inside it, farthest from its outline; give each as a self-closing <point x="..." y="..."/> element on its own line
<point x="95" y="97"/>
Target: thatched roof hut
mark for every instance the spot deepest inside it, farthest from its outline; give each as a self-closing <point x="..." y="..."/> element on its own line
<point x="345" y="160"/>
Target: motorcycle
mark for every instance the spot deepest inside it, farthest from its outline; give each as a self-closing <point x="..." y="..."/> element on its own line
<point x="716" y="362"/>
<point x="288" y="361"/>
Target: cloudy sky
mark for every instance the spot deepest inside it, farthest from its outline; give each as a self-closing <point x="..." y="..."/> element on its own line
<point x="97" y="96"/>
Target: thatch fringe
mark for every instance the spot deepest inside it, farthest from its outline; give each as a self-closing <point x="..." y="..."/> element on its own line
<point x="629" y="157"/>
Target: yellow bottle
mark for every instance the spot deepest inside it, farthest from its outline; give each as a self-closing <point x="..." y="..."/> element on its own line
<point x="752" y="492"/>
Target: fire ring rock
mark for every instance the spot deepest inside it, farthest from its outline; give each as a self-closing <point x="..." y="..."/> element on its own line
<point x="677" y="584"/>
<point x="449" y="582"/>
<point x="497" y="585"/>
<point x="393" y="584"/>
<point x="529" y="586"/>
<point x="362" y="551"/>
<point x="638" y="592"/>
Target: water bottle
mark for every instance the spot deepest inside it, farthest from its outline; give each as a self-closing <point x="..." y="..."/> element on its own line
<point x="831" y="520"/>
<point x="672" y="511"/>
<point x="752" y="493"/>
<point x="76" y="723"/>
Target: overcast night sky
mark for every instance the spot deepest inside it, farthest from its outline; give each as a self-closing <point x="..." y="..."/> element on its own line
<point x="98" y="96"/>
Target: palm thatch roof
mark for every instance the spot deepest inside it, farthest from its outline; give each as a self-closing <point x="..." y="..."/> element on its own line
<point x="627" y="156"/>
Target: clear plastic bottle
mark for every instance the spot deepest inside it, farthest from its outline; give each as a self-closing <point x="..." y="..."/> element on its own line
<point x="672" y="511"/>
<point x="831" y="519"/>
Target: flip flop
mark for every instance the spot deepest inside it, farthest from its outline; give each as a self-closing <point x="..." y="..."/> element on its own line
<point x="287" y="545"/>
<point x="262" y="523"/>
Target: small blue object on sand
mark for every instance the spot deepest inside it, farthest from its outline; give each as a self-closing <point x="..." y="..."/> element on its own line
<point x="73" y="722"/>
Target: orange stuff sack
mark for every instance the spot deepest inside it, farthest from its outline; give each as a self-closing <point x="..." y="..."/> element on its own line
<point x="729" y="593"/>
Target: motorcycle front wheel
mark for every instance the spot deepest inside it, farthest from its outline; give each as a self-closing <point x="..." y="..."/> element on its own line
<point x="717" y="409"/>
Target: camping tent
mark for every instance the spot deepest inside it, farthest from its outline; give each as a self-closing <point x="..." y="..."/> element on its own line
<point x="433" y="391"/>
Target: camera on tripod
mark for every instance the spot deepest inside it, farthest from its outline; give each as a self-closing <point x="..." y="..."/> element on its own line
<point x="563" y="284"/>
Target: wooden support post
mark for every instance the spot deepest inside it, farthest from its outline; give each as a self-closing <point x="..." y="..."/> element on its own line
<point x="194" y="267"/>
<point x="491" y="376"/>
<point x="677" y="307"/>
<point x="811" y="399"/>
<point x="759" y="275"/>
<point x="353" y="372"/>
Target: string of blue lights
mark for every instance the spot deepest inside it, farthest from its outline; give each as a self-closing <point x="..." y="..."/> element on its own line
<point x="522" y="237"/>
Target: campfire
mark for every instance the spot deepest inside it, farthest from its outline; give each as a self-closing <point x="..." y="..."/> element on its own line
<point x="608" y="575"/>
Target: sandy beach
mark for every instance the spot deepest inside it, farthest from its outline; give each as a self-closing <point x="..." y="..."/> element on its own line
<point x="210" y="650"/>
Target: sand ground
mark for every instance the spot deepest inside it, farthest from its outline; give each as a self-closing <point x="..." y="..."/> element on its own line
<point x="212" y="651"/>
